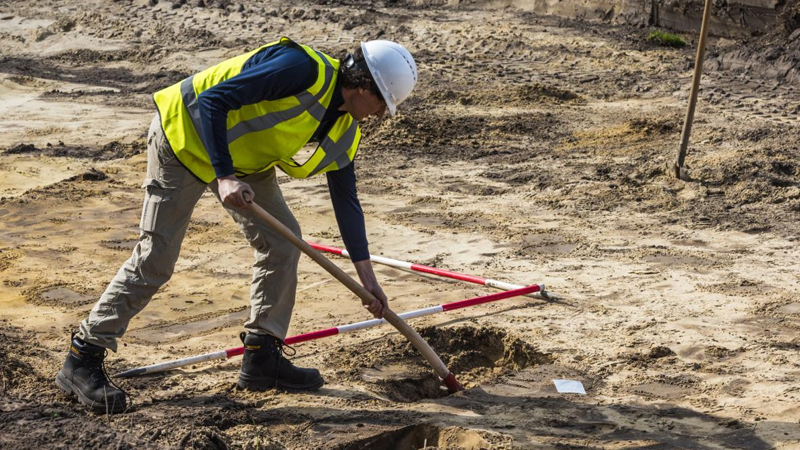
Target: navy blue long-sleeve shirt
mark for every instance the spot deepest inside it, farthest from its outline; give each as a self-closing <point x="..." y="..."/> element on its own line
<point x="277" y="72"/>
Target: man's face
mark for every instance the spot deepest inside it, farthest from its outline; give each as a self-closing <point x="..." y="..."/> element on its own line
<point x="364" y="103"/>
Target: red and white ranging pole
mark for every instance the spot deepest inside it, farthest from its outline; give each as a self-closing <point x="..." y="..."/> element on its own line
<point x="432" y="270"/>
<point x="231" y="352"/>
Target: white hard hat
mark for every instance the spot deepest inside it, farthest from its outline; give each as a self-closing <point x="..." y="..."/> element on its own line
<point x="393" y="69"/>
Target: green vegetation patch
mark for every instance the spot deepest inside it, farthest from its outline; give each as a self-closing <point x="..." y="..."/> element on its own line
<point x="666" y="39"/>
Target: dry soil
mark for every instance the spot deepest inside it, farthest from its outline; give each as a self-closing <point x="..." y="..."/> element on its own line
<point x="534" y="150"/>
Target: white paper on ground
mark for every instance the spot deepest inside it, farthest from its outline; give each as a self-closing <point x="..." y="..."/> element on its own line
<point x="569" y="387"/>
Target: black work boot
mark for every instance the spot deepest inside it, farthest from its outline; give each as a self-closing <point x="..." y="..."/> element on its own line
<point x="264" y="367"/>
<point x="83" y="376"/>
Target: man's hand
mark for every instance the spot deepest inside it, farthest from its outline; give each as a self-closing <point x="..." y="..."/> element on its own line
<point x="370" y="283"/>
<point x="232" y="191"/>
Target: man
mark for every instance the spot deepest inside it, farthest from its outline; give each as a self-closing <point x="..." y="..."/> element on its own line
<point x="227" y="128"/>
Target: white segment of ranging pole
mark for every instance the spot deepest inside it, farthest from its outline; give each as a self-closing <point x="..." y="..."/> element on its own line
<point x="225" y="354"/>
<point x="376" y="322"/>
<point x="432" y="270"/>
<point x="169" y="365"/>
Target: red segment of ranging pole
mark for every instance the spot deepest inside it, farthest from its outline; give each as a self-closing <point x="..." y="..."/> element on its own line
<point x="430" y="270"/>
<point x="225" y="354"/>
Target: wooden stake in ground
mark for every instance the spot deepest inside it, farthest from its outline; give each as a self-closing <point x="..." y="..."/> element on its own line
<point x="680" y="171"/>
<point x="416" y="340"/>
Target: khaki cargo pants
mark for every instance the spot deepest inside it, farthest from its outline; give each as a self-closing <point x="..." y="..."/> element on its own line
<point x="171" y="194"/>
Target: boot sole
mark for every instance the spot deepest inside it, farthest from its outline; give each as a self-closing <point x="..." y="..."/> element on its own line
<point x="71" y="390"/>
<point x="265" y="384"/>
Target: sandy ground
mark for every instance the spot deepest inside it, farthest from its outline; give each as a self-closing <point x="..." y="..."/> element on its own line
<point x="535" y="150"/>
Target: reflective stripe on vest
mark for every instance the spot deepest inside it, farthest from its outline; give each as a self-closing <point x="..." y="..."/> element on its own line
<point x="307" y="102"/>
<point x="336" y="152"/>
<point x="264" y="134"/>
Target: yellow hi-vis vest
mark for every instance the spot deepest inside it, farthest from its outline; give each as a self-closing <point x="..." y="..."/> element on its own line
<point x="264" y="134"/>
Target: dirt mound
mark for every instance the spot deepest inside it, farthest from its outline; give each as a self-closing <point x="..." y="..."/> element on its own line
<point x="84" y="56"/>
<point x="112" y="150"/>
<point x="506" y="95"/>
<point x="789" y="18"/>
<point x="91" y="183"/>
<point x="540" y="92"/>
<point x="775" y="54"/>
<point x="660" y="125"/>
<point x="117" y="77"/>
<point x="396" y="370"/>
<point x="427" y="135"/>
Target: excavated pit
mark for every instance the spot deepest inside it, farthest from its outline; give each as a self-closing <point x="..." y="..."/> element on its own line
<point x="394" y="369"/>
<point x="425" y="436"/>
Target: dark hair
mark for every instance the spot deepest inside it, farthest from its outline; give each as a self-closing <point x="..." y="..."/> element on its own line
<point x="354" y="73"/>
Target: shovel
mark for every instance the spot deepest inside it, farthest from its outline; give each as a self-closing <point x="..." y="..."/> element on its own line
<point x="416" y="340"/>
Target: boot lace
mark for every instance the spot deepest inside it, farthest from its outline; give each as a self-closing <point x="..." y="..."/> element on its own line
<point x="282" y="355"/>
<point x="99" y="374"/>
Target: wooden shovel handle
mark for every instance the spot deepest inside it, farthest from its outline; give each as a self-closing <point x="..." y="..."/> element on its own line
<point x="414" y="337"/>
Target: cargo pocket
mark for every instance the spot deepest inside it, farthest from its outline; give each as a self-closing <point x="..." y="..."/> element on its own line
<point x="154" y="198"/>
